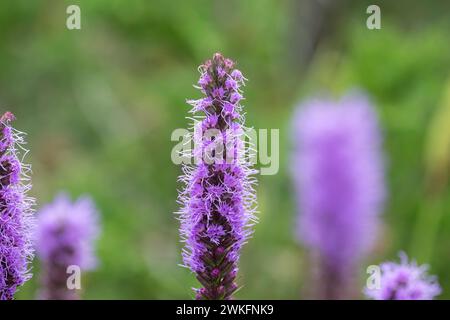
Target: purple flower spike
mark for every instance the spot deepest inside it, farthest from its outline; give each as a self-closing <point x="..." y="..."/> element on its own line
<point x="218" y="200"/>
<point x="64" y="237"/>
<point x="338" y="174"/>
<point x="16" y="214"/>
<point x="404" y="281"/>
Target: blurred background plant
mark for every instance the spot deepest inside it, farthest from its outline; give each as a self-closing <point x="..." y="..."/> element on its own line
<point x="99" y="105"/>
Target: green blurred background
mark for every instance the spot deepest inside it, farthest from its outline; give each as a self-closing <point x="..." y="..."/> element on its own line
<point x="99" y="105"/>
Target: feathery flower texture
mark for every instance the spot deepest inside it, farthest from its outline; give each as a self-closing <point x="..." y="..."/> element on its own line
<point x="404" y="281"/>
<point x="64" y="236"/>
<point x="16" y="219"/>
<point x="218" y="200"/>
<point x="338" y="173"/>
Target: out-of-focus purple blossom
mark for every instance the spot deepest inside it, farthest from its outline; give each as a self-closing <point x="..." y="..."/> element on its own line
<point x="16" y="214"/>
<point x="65" y="236"/>
<point x="218" y="201"/>
<point x="338" y="173"/>
<point x="404" y="281"/>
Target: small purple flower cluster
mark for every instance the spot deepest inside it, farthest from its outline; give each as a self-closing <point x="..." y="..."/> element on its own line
<point x="218" y="200"/>
<point x="404" y="281"/>
<point x="338" y="173"/>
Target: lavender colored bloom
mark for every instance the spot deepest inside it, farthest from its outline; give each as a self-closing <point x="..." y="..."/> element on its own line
<point x="404" y="281"/>
<point x="218" y="199"/>
<point x="338" y="174"/>
<point x="64" y="236"/>
<point x="16" y="219"/>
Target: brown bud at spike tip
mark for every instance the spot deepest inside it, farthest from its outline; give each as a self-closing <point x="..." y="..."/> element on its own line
<point x="218" y="57"/>
<point x="7" y="117"/>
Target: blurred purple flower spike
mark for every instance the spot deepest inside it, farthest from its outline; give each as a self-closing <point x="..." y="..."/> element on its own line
<point x="65" y="237"/>
<point x="337" y="168"/>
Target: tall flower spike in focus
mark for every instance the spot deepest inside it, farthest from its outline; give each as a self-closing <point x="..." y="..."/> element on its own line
<point x="218" y="201"/>
<point x="337" y="168"/>
<point x="65" y="236"/>
<point x="16" y="214"/>
<point x="404" y="281"/>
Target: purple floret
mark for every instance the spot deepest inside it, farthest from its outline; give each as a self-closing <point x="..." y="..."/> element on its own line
<point x="65" y="236"/>
<point x="404" y="281"/>
<point x="218" y="199"/>
<point x="16" y="214"/>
